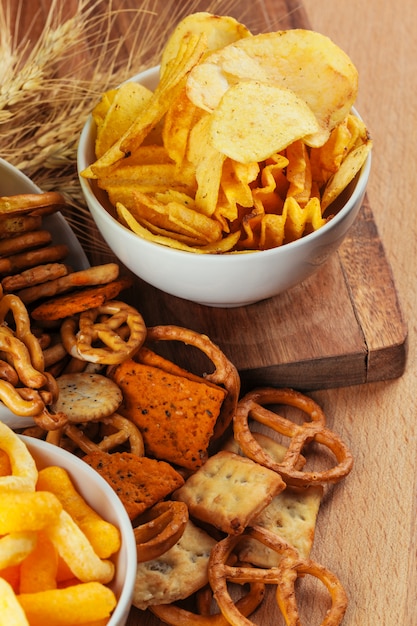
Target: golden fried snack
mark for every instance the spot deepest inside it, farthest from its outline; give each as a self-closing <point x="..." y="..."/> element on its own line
<point x="18" y="262"/>
<point x="290" y="568"/>
<point x="73" y="303"/>
<point x="26" y="241"/>
<point x="159" y="528"/>
<point x="99" y="339"/>
<point x="17" y="353"/>
<point x="225" y="373"/>
<point x="34" y="203"/>
<point x="96" y="275"/>
<point x="33" y="276"/>
<point x="251" y="406"/>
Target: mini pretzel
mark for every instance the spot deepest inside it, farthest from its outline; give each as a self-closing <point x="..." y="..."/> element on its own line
<point x="251" y="406"/>
<point x="98" y="339"/>
<point x="12" y="303"/>
<point x="159" y="528"/>
<point x="284" y="576"/>
<point x="26" y="241"/>
<point x="16" y="351"/>
<point x="225" y="372"/>
<point x="176" y="616"/>
<point x="122" y="431"/>
<point x="8" y="373"/>
<point x="34" y="203"/>
<point x="21" y="401"/>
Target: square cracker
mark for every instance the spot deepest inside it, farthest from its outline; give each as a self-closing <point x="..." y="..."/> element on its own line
<point x="177" y="573"/>
<point x="292" y="514"/>
<point x="228" y="491"/>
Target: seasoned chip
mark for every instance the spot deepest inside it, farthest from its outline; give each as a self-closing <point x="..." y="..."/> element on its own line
<point x="254" y="120"/>
<point x="140" y="482"/>
<point x="175" y="415"/>
<point x="228" y="491"/>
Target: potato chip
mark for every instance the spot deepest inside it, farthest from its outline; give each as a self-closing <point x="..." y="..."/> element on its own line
<point x="299" y="172"/>
<point x="219" y="31"/>
<point x="254" y="120"/>
<point x="127" y="104"/>
<point x="191" y="50"/>
<point x="345" y="174"/>
<point x="223" y="245"/>
<point x="306" y="62"/>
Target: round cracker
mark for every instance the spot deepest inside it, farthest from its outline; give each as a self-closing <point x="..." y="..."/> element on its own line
<point x="86" y="397"/>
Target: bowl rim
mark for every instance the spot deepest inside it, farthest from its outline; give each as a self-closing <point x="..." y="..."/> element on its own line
<point x="360" y="188"/>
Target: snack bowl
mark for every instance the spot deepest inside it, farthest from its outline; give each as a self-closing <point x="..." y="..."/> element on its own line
<point x="104" y="500"/>
<point x="218" y="280"/>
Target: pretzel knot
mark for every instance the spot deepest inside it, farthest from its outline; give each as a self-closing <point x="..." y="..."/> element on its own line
<point x="13" y="304"/>
<point x="107" y="334"/>
<point x="225" y="373"/>
<point x="159" y="529"/>
<point x="284" y="576"/>
<point x="251" y="406"/>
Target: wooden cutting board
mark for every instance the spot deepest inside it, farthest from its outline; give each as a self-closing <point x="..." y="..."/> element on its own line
<point x="343" y="326"/>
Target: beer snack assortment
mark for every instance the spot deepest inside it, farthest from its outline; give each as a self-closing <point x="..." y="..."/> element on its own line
<point x="222" y="489"/>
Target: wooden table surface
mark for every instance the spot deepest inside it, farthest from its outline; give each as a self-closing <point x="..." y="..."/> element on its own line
<point x="366" y="530"/>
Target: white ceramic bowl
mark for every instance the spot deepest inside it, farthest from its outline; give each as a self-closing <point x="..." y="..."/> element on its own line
<point x="13" y="182"/>
<point x="217" y="280"/>
<point x="103" y="499"/>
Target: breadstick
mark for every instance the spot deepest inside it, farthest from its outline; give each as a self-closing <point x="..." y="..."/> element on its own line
<point x="34" y="276"/>
<point x="18" y="262"/>
<point x="97" y="275"/>
<point x="17" y="224"/>
<point x="35" y="203"/>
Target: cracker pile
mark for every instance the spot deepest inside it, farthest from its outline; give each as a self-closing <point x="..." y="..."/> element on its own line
<point x="200" y="484"/>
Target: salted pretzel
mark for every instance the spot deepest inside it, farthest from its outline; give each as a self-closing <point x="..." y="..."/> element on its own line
<point x="159" y="528"/>
<point x="284" y="576"/>
<point x="251" y="406"/>
<point x="12" y="304"/>
<point x="98" y="334"/>
<point x="225" y="373"/>
<point x="112" y="432"/>
<point x="177" y="616"/>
